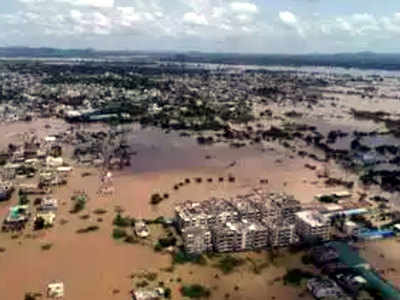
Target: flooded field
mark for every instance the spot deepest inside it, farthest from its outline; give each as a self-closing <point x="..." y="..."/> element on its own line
<point x="94" y="265"/>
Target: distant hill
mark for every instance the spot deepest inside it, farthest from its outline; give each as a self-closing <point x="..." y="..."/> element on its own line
<point x="361" y="60"/>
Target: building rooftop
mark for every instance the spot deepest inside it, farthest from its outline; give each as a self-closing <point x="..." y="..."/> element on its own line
<point x="313" y="218"/>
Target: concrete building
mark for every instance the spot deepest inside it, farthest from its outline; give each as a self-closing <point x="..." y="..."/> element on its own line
<point x="322" y="288"/>
<point x="286" y="206"/>
<point x="247" y="222"/>
<point x="6" y="189"/>
<point x="281" y="233"/>
<point x="213" y="212"/>
<point x="197" y="240"/>
<point x="312" y="225"/>
<point x="240" y="236"/>
<point x="55" y="290"/>
<point x="277" y="205"/>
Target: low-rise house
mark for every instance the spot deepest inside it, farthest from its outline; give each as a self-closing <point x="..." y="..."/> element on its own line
<point x="350" y="282"/>
<point x="322" y="288"/>
<point x="6" y="189"/>
<point x="64" y="170"/>
<point x="141" y="229"/>
<point x="55" y="290"/>
<point x="17" y="218"/>
<point x="324" y="254"/>
<point x="48" y="217"/>
<point x="49" y="178"/>
<point x="32" y="189"/>
<point x="334" y="267"/>
<point x="155" y="294"/>
<point x="54" y="162"/>
<point x="351" y="228"/>
<point x="48" y="204"/>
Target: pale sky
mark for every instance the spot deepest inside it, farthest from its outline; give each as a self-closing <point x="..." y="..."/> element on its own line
<point x="249" y="26"/>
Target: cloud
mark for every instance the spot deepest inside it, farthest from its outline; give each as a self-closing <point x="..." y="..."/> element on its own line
<point x="287" y="17"/>
<point x="244" y="7"/>
<point x="238" y="25"/>
<point x="193" y="18"/>
<point x="93" y="3"/>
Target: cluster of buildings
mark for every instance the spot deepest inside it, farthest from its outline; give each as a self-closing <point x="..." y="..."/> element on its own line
<point x="39" y="158"/>
<point x="251" y="221"/>
<point x="341" y="280"/>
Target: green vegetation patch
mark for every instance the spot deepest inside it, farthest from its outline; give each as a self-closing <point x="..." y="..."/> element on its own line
<point x="79" y="203"/>
<point x="195" y="291"/>
<point x="295" y="276"/>
<point x="47" y="246"/>
<point x="88" y="229"/>
<point x="121" y="221"/>
<point x="328" y="199"/>
<point x="32" y="296"/>
<point x="182" y="257"/>
<point x="257" y="265"/>
<point x="228" y="263"/>
<point x="119" y="233"/>
<point x="155" y="199"/>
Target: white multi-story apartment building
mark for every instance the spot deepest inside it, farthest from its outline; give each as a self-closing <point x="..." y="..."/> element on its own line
<point x="312" y="225"/>
<point x="240" y="236"/>
<point x="281" y="233"/>
<point x="197" y="240"/>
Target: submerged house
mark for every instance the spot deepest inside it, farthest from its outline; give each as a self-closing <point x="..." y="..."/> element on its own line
<point x="141" y="229"/>
<point x="6" y="189"/>
<point x="48" y="217"/>
<point x="55" y="290"/>
<point x="17" y="218"/>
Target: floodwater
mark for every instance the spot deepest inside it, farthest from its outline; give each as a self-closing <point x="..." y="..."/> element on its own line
<point x="93" y="265"/>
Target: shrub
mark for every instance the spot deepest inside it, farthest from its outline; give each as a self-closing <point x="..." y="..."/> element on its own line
<point x="182" y="257"/>
<point x="150" y="276"/>
<point x="88" y="229"/>
<point x="155" y="199"/>
<point x="23" y="199"/>
<point x="142" y="284"/>
<point x="80" y="203"/>
<point x="231" y="179"/>
<point x="295" y="276"/>
<point x="167" y="242"/>
<point x="32" y="296"/>
<point x="328" y="199"/>
<point x="121" y="221"/>
<point x="99" y="211"/>
<point x="47" y="246"/>
<point x="195" y="291"/>
<point x="167" y="293"/>
<point x="39" y="224"/>
<point x="158" y="247"/>
<point x="228" y="263"/>
<point x="119" y="233"/>
<point x="306" y="259"/>
<point x="131" y="240"/>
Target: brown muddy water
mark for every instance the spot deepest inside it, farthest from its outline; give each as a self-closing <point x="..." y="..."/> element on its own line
<point x="94" y="266"/>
